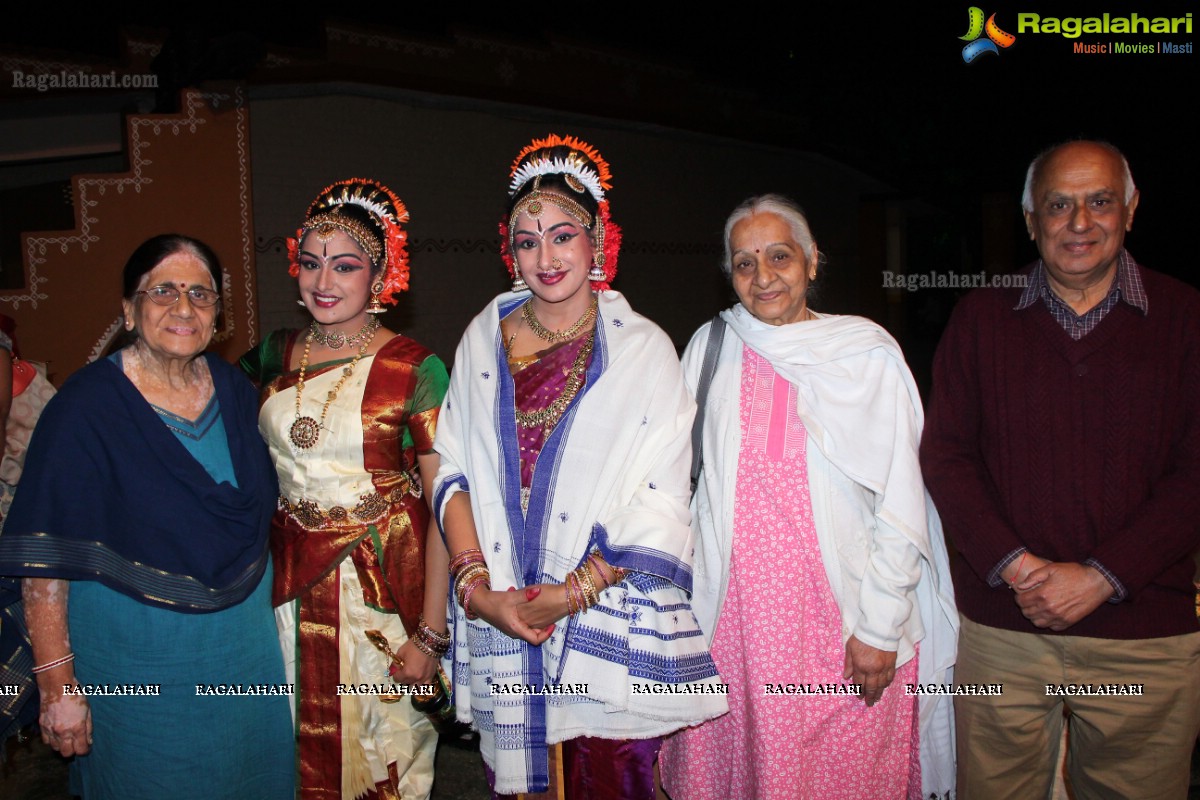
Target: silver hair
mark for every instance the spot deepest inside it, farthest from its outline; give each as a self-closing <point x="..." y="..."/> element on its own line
<point x="1035" y="170"/>
<point x="786" y="209"/>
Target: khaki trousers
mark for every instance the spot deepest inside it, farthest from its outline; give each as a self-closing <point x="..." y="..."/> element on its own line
<point x="1120" y="745"/>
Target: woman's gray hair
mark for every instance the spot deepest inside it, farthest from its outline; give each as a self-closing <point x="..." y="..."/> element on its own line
<point x="786" y="209"/>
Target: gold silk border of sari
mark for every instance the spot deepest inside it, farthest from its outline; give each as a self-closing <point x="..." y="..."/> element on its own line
<point x="319" y="738"/>
<point x="401" y="555"/>
<point x="390" y="562"/>
<point x="389" y="558"/>
<point x="303" y="557"/>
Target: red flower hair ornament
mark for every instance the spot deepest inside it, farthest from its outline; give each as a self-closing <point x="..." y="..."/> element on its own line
<point x="584" y="170"/>
<point x="384" y="241"/>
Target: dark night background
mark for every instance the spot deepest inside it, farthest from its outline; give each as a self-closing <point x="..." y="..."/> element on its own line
<point x="879" y="87"/>
<point x="883" y="89"/>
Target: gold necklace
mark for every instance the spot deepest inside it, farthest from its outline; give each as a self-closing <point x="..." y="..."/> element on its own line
<point x="337" y="340"/>
<point x="543" y="333"/>
<point x="305" y="431"/>
<point x="548" y="417"/>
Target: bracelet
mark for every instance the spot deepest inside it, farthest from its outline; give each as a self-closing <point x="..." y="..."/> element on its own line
<point x="426" y="649"/>
<point x="430" y="642"/>
<point x="472" y="555"/>
<point x="1013" y="583"/>
<point x="588" y="584"/>
<point x="465" y="599"/>
<point x="440" y="638"/>
<point x="469" y="570"/>
<point x="470" y="575"/>
<point x="58" y="662"/>
<point x="461" y="587"/>
<point x="604" y="568"/>
<point x="582" y="592"/>
<point x="574" y="598"/>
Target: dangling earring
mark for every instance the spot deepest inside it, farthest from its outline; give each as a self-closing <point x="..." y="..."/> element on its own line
<point x="519" y="284"/>
<point x="301" y="304"/>
<point x="376" y="307"/>
<point x="596" y="272"/>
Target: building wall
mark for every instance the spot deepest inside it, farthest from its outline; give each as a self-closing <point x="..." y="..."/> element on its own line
<point x="448" y="160"/>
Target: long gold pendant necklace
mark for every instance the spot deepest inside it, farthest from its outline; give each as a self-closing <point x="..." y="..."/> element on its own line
<point x="305" y="431"/>
<point x="548" y="417"/>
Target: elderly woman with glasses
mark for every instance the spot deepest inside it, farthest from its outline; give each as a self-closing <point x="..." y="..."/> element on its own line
<point x="140" y="529"/>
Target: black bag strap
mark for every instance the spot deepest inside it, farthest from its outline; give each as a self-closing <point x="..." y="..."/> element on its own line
<point x="715" y="334"/>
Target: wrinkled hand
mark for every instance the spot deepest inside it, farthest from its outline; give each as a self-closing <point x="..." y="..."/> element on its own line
<point x="418" y="668"/>
<point x="1061" y="593"/>
<point x="1011" y="577"/>
<point x="872" y="668"/>
<point x="547" y="605"/>
<point x="66" y="722"/>
<point x="502" y="610"/>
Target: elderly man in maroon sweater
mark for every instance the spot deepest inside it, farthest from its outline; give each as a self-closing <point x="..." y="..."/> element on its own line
<point x="1063" y="451"/>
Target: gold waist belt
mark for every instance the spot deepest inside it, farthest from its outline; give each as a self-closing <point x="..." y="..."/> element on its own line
<point x="371" y="507"/>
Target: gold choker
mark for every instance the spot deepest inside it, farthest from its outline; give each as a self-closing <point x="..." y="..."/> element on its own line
<point x="547" y="335"/>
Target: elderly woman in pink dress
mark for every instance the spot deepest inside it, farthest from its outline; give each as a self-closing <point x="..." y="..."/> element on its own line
<point x="820" y="563"/>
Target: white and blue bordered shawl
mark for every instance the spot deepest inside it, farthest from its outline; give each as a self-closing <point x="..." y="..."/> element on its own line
<point x="612" y="477"/>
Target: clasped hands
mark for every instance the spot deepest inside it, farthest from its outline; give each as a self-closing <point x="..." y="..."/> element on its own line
<point x="1055" y="594"/>
<point x="529" y="613"/>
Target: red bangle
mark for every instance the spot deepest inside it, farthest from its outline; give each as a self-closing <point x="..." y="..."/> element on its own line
<point x="1013" y="583"/>
<point x="58" y="662"/>
<point x="466" y="599"/>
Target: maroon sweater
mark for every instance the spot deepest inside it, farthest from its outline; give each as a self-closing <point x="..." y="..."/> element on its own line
<point x="1076" y="450"/>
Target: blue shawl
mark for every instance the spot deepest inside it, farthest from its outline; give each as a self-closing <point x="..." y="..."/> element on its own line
<point x="109" y="494"/>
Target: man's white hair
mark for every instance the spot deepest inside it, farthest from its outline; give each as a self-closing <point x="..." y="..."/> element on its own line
<point x="1035" y="169"/>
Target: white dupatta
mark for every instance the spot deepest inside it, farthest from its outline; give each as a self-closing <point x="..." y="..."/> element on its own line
<point x="612" y="477"/>
<point x="863" y="414"/>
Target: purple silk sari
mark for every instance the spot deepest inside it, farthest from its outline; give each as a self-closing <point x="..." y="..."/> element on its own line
<point x="587" y="768"/>
<point x="536" y="385"/>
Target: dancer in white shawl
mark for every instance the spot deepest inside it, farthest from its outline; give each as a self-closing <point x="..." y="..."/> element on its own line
<point x="564" y="446"/>
<point x="816" y="535"/>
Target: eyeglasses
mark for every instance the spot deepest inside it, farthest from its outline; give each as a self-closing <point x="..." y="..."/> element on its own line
<point x="167" y="295"/>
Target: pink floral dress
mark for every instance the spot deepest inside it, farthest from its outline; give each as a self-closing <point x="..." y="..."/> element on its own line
<point x="780" y="625"/>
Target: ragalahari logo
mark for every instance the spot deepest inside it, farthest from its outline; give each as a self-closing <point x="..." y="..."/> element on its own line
<point x="976" y="27"/>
